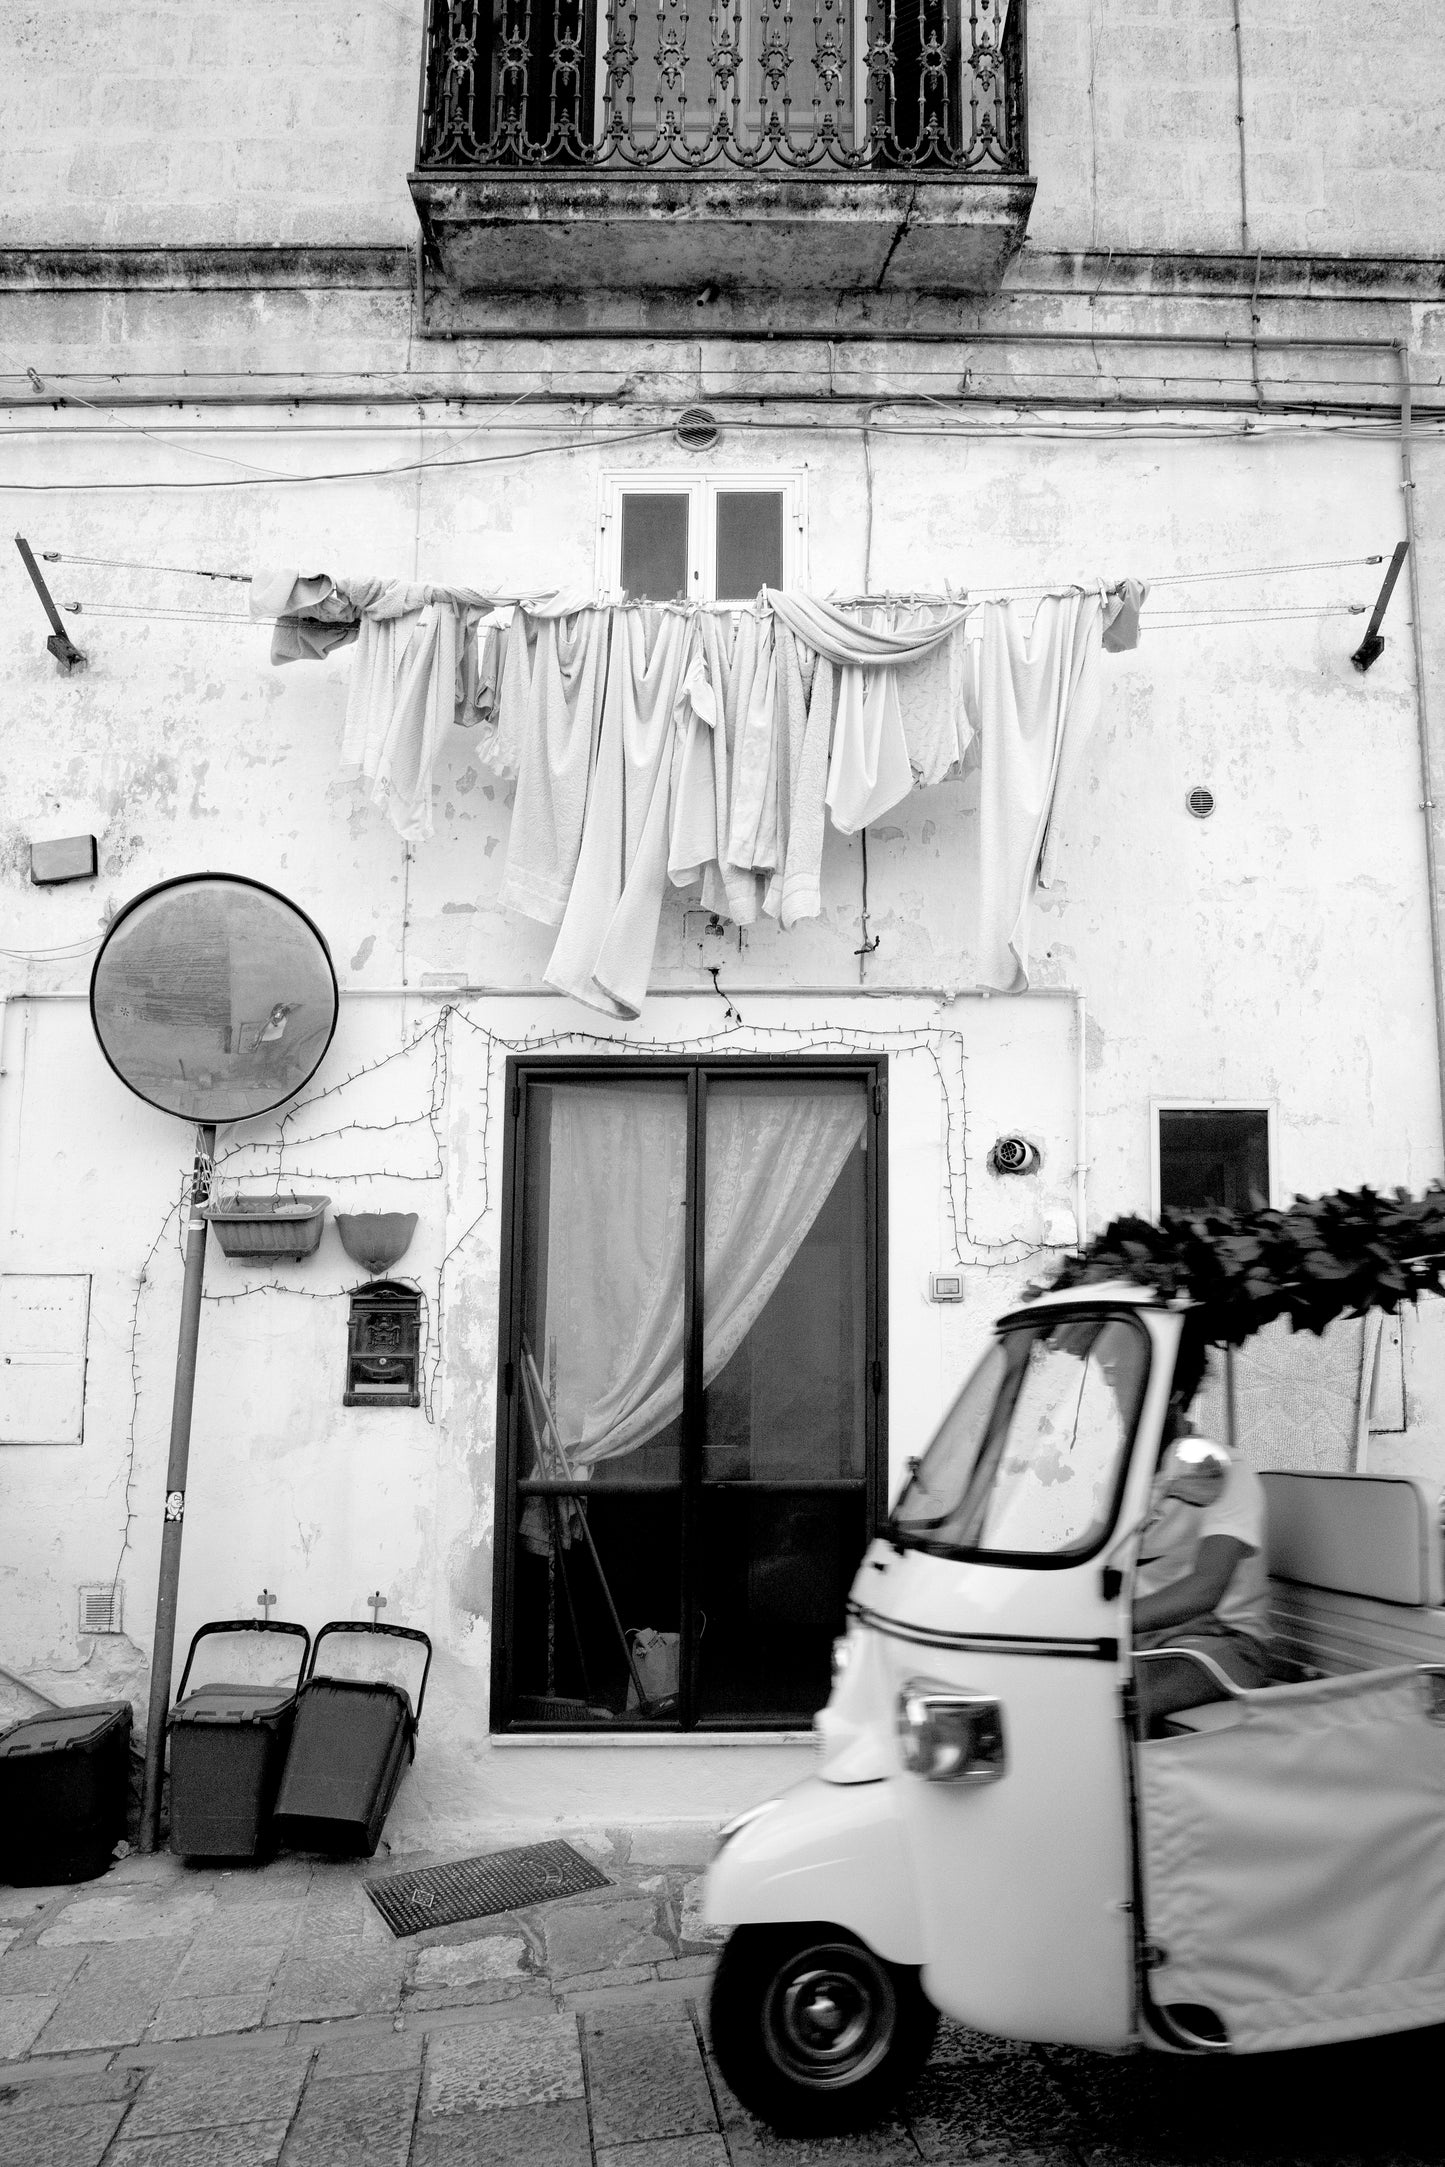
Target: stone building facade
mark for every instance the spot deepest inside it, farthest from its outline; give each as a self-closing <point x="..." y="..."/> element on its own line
<point x="1185" y="328"/>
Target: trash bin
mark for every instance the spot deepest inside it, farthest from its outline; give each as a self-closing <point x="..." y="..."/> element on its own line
<point x="63" y="1784"/>
<point x="350" y="1745"/>
<point x="229" y="1740"/>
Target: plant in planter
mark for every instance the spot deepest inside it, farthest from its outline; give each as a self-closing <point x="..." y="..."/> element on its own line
<point x="267" y="1229"/>
<point x="1320" y="1258"/>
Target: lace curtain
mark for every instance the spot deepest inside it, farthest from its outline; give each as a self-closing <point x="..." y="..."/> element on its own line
<point x="611" y="1319"/>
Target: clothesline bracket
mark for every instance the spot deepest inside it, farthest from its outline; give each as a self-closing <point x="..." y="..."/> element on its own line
<point x="1372" y="646"/>
<point x="68" y="657"/>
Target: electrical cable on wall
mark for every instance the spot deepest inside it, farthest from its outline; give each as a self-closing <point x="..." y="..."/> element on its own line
<point x="935" y="1043"/>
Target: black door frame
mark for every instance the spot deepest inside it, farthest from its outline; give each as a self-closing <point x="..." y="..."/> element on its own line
<point x="694" y="1070"/>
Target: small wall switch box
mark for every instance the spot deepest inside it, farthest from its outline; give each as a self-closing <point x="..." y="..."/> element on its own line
<point x="945" y="1286"/>
<point x="73" y="857"/>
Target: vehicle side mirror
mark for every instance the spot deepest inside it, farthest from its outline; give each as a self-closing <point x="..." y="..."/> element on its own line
<point x="1195" y="1470"/>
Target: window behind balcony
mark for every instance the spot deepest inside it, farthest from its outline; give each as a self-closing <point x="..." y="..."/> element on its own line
<point x="715" y="538"/>
<point x="692" y="1336"/>
<point x="665" y="83"/>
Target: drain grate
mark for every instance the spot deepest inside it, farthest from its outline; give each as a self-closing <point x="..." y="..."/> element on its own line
<point x="474" y="1888"/>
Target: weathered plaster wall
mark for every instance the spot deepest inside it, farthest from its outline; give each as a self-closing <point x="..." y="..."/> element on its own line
<point x="1277" y="952"/>
<point x="190" y="121"/>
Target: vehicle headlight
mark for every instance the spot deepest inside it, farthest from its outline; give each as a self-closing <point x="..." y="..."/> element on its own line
<point x="950" y="1737"/>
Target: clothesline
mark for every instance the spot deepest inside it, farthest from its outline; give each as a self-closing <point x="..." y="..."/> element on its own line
<point x="997" y="594"/>
<point x="1175" y="619"/>
<point x="654" y="748"/>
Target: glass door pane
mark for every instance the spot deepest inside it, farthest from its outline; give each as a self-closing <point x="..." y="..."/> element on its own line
<point x="598" y="1359"/>
<point x="782" y="1509"/>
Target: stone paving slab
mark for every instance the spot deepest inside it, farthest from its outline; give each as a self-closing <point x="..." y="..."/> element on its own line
<point x="355" y="2120"/>
<point x="531" y="2064"/>
<point x="22" y="2019"/>
<point x="551" y="2136"/>
<point x="256" y="2144"/>
<point x="228" y="1967"/>
<point x="646" y="2077"/>
<point x="705" y="2150"/>
<point x="218" y="2093"/>
<point x="129" y="1914"/>
<point x="337" y="1983"/>
<point x="363" y="2050"/>
<point x="602" y="1936"/>
<point x="55" y="2136"/>
<point x="112" y="2000"/>
<point x="208" y="2016"/>
<point x="32" y="1970"/>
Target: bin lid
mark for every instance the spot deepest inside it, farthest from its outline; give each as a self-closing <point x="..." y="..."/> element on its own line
<point x="232" y="1703"/>
<point x="64" y="1728"/>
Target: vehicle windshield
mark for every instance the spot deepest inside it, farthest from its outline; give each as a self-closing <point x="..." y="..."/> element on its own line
<point x="1028" y="1461"/>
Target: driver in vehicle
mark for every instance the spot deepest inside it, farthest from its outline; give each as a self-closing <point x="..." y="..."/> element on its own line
<point x="1201" y="1579"/>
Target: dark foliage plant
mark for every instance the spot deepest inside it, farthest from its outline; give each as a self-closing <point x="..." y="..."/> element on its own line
<point x="1321" y="1258"/>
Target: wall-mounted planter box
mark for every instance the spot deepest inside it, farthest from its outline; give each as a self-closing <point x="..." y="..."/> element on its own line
<point x="266" y="1229"/>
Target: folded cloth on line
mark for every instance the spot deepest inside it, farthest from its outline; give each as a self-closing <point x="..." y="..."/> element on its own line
<point x="315" y="613"/>
<point x="870" y="771"/>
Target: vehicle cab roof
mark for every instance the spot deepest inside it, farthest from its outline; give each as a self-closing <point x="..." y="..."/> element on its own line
<point x="1100" y="1294"/>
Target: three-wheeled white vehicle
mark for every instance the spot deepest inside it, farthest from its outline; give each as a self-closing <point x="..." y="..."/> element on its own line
<point x="987" y="1833"/>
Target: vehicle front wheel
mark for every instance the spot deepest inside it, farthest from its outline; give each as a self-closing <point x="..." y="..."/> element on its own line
<point x="812" y="2030"/>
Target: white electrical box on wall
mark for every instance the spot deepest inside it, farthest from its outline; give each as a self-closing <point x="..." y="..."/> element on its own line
<point x="44" y="1317"/>
<point x="945" y="1286"/>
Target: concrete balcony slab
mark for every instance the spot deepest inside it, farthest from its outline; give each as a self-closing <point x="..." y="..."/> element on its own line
<point x="742" y="235"/>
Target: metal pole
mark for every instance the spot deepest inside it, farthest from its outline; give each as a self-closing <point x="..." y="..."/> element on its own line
<point x="1422" y="716"/>
<point x="163" y="1650"/>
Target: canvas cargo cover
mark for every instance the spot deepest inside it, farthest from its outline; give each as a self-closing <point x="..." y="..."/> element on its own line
<point x="1294" y="1862"/>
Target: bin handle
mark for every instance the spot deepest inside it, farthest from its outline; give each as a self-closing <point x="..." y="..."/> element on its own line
<point x="397" y="1632"/>
<point x="246" y="1625"/>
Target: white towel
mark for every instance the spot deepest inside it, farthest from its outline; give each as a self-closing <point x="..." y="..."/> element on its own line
<point x="1038" y="694"/>
<point x="558" y="744"/>
<point x="605" y="946"/>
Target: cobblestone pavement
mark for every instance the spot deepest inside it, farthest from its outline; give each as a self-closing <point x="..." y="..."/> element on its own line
<point x="168" y="2017"/>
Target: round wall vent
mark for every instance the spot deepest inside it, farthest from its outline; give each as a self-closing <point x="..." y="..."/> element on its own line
<point x="696" y="429"/>
<point x="1014" y="1155"/>
<point x="1200" y="802"/>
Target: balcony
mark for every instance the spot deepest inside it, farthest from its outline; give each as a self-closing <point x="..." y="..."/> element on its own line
<point x="742" y="148"/>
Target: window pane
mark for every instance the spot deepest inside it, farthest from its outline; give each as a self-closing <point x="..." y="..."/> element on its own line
<point x="785" y="1281"/>
<point x="1213" y="1157"/>
<point x="592" y="1601"/>
<point x="749" y="542"/>
<point x="1028" y="1459"/>
<point x="599" y="1380"/>
<point x="774" y="1573"/>
<point x="602" y="1279"/>
<point x="654" y="546"/>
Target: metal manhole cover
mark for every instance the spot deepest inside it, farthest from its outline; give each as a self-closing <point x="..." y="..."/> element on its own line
<point x="474" y="1888"/>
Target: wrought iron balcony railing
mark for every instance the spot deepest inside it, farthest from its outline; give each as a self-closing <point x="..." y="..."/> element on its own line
<point x="895" y="87"/>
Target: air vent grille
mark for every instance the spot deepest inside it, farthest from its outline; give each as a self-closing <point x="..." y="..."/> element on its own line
<point x="102" y="1607"/>
<point x="696" y="429"/>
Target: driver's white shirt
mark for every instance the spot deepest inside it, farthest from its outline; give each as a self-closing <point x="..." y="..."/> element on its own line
<point x="1173" y="1532"/>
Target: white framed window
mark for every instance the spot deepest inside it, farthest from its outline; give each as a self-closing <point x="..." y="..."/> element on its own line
<point x="1219" y="1152"/>
<point x="665" y="537"/>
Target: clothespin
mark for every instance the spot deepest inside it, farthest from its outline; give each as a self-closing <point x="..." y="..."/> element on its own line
<point x="267" y="1601"/>
<point x="377" y="1602"/>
